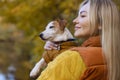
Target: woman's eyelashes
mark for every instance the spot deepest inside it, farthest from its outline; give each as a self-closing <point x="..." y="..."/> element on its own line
<point x="82" y="16"/>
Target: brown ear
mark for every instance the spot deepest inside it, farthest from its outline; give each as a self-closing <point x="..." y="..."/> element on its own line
<point x="62" y="23"/>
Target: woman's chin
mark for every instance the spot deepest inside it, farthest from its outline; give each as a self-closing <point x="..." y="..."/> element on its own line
<point x="77" y="35"/>
<point x="80" y="35"/>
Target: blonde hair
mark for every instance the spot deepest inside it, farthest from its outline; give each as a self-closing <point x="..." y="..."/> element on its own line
<point x="105" y="13"/>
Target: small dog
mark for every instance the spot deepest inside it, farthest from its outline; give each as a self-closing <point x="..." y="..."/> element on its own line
<point x="57" y="33"/>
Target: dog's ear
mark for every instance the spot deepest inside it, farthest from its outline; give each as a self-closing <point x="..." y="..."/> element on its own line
<point x="62" y="23"/>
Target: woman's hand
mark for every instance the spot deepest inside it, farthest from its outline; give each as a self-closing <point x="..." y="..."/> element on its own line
<point x="50" y="45"/>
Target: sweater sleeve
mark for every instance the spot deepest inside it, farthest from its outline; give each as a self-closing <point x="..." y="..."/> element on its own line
<point x="67" y="66"/>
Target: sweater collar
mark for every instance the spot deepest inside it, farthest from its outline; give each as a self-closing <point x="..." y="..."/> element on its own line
<point x="92" y="42"/>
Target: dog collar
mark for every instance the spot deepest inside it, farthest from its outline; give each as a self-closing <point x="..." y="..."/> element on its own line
<point x="59" y="42"/>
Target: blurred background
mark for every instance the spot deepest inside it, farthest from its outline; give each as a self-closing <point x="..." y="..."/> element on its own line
<point x="21" y="21"/>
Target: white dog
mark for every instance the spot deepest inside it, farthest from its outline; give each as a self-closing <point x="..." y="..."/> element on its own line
<point x="55" y="32"/>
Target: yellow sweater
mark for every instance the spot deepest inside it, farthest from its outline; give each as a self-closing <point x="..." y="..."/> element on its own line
<point x="71" y="67"/>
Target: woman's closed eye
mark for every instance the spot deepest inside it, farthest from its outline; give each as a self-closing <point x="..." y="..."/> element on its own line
<point x="83" y="16"/>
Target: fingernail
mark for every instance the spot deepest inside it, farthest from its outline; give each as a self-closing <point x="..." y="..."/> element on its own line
<point x="55" y="48"/>
<point x="56" y="45"/>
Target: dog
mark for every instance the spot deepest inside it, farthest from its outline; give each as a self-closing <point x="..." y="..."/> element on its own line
<point x="57" y="33"/>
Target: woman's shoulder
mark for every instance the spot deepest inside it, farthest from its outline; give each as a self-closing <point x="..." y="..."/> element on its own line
<point x="91" y="55"/>
<point x="87" y="49"/>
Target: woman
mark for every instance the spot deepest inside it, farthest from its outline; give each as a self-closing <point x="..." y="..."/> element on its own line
<point x="98" y="23"/>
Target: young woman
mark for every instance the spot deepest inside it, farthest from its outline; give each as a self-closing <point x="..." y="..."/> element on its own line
<point x="98" y="22"/>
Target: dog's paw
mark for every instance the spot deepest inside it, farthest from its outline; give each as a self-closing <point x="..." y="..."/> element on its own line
<point x="34" y="73"/>
<point x="38" y="69"/>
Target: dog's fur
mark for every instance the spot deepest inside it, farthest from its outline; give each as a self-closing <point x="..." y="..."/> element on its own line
<point x="55" y="32"/>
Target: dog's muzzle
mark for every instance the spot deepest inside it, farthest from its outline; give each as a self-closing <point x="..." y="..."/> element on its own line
<point x="41" y="36"/>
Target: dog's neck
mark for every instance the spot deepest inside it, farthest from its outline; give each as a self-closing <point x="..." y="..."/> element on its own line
<point x="66" y="35"/>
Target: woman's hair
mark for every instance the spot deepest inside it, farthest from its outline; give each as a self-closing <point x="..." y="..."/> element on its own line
<point x="104" y="13"/>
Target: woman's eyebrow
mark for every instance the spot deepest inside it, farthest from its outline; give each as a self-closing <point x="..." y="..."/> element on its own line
<point x="83" y="12"/>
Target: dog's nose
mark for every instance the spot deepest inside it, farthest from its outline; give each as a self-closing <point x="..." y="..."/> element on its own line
<point x="41" y="35"/>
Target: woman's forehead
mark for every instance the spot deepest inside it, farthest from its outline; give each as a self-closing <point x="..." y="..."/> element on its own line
<point x="84" y="9"/>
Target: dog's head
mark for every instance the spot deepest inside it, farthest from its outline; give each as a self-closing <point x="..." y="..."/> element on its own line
<point x="53" y="30"/>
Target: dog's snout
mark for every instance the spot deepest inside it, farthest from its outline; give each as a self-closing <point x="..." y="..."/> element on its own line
<point x="41" y="35"/>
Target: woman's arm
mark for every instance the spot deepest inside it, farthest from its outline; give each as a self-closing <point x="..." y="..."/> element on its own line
<point x="67" y="66"/>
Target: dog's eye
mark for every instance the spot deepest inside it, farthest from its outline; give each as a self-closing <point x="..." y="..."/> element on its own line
<point x="51" y="26"/>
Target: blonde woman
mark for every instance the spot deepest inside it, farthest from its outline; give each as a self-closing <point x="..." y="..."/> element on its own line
<point x="98" y="57"/>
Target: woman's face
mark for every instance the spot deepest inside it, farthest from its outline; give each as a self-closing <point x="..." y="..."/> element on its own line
<point x="82" y="23"/>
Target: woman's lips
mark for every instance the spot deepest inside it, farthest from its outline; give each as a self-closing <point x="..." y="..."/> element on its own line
<point x="77" y="27"/>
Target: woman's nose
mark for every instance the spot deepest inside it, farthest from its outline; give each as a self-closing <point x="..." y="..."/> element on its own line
<point x="75" y="20"/>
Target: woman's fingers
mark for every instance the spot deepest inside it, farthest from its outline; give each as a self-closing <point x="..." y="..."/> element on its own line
<point x="49" y="46"/>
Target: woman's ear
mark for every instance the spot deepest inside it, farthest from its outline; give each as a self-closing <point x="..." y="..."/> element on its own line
<point x="99" y="28"/>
